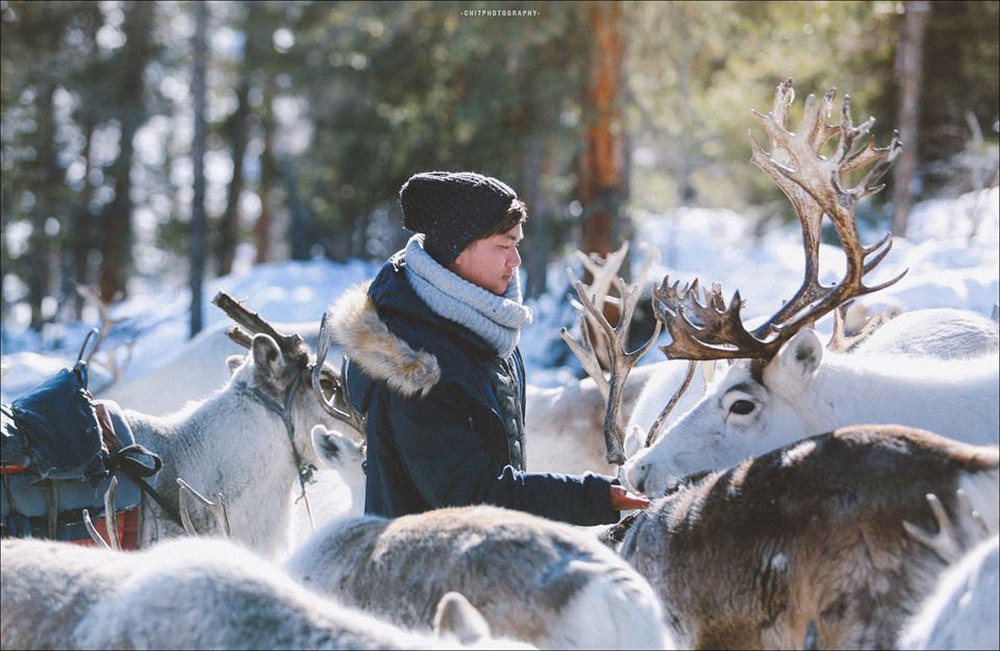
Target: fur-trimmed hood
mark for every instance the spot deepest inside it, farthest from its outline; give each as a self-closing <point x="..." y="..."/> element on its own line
<point x="355" y="325"/>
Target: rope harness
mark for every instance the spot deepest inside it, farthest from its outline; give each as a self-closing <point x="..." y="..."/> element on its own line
<point x="304" y="471"/>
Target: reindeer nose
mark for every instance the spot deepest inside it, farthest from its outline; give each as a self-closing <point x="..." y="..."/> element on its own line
<point x="635" y="474"/>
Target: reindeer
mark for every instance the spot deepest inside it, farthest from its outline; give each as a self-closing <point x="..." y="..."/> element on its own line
<point x="198" y="368"/>
<point x="811" y="543"/>
<point x="962" y="612"/>
<point x="944" y="333"/>
<point x="541" y="581"/>
<point x="194" y="593"/>
<point x="784" y="387"/>
<point x="249" y="441"/>
<point x="345" y="456"/>
<point x="937" y="332"/>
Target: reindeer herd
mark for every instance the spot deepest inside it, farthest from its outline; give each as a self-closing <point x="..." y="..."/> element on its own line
<point x="806" y="496"/>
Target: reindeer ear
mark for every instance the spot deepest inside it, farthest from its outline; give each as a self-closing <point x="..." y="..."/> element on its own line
<point x="635" y="441"/>
<point x="799" y="358"/>
<point x="328" y="445"/>
<point x="233" y="362"/>
<point x="333" y="448"/>
<point x="458" y="618"/>
<point x="266" y="355"/>
<point x="326" y="449"/>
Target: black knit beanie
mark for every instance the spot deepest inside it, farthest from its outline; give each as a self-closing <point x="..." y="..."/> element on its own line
<point x="452" y="209"/>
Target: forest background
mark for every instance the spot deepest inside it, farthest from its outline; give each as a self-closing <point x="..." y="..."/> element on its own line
<point x="153" y="144"/>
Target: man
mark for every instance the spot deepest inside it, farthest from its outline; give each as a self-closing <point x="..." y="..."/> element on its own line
<point x="434" y="364"/>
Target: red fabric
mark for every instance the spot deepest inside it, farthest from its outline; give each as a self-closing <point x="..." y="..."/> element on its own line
<point x="128" y="530"/>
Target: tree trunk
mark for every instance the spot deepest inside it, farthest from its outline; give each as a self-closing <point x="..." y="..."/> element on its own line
<point x="299" y="232"/>
<point x="198" y="156"/>
<point x="40" y="270"/>
<point x="263" y="227"/>
<point x="601" y="173"/>
<point x="600" y="187"/>
<point x="538" y="247"/>
<point x="229" y="225"/>
<point x="116" y="226"/>
<point x="116" y="240"/>
<point x="229" y="228"/>
<point x="909" y="65"/>
<point x="80" y="230"/>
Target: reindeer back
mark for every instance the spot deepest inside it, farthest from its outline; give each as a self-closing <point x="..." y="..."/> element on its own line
<point x="811" y="532"/>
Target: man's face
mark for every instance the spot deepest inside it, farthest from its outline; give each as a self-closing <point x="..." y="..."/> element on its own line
<point x="492" y="261"/>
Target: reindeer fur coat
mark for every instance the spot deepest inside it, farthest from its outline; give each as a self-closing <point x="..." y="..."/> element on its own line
<point x="445" y="414"/>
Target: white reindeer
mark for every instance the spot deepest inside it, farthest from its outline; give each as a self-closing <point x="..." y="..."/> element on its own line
<point x="189" y="594"/>
<point x="345" y="457"/>
<point x="246" y="441"/>
<point x="963" y="612"/>
<point x="813" y="543"/>
<point x="563" y="424"/>
<point x="936" y="332"/>
<point x="804" y="391"/>
<point x="199" y="368"/>
<point x="249" y="441"/>
<point x="785" y="387"/>
<point x="544" y="582"/>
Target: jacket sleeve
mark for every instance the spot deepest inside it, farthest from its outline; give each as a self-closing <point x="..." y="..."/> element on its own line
<point x="449" y="463"/>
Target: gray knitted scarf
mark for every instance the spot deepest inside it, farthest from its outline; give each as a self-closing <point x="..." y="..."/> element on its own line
<point x="497" y="319"/>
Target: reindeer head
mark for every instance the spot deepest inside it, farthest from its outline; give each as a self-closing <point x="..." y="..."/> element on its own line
<point x="287" y="377"/>
<point x="736" y="417"/>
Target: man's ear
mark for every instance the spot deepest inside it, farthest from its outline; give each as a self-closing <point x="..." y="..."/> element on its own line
<point x="459" y="261"/>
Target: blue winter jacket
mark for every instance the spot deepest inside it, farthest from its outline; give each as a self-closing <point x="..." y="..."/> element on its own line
<point x="445" y="414"/>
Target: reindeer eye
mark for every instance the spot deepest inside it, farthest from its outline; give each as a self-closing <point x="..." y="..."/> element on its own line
<point x="741" y="407"/>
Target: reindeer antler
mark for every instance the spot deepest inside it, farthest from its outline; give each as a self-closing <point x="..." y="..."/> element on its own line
<point x="620" y="361"/>
<point x="592" y="352"/>
<point x="250" y="323"/>
<point x="338" y="404"/>
<point x="815" y="186"/>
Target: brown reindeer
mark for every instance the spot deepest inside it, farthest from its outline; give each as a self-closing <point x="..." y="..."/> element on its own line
<point x="810" y="541"/>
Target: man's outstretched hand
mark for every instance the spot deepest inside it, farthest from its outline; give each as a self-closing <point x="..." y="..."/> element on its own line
<point x="623" y="500"/>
